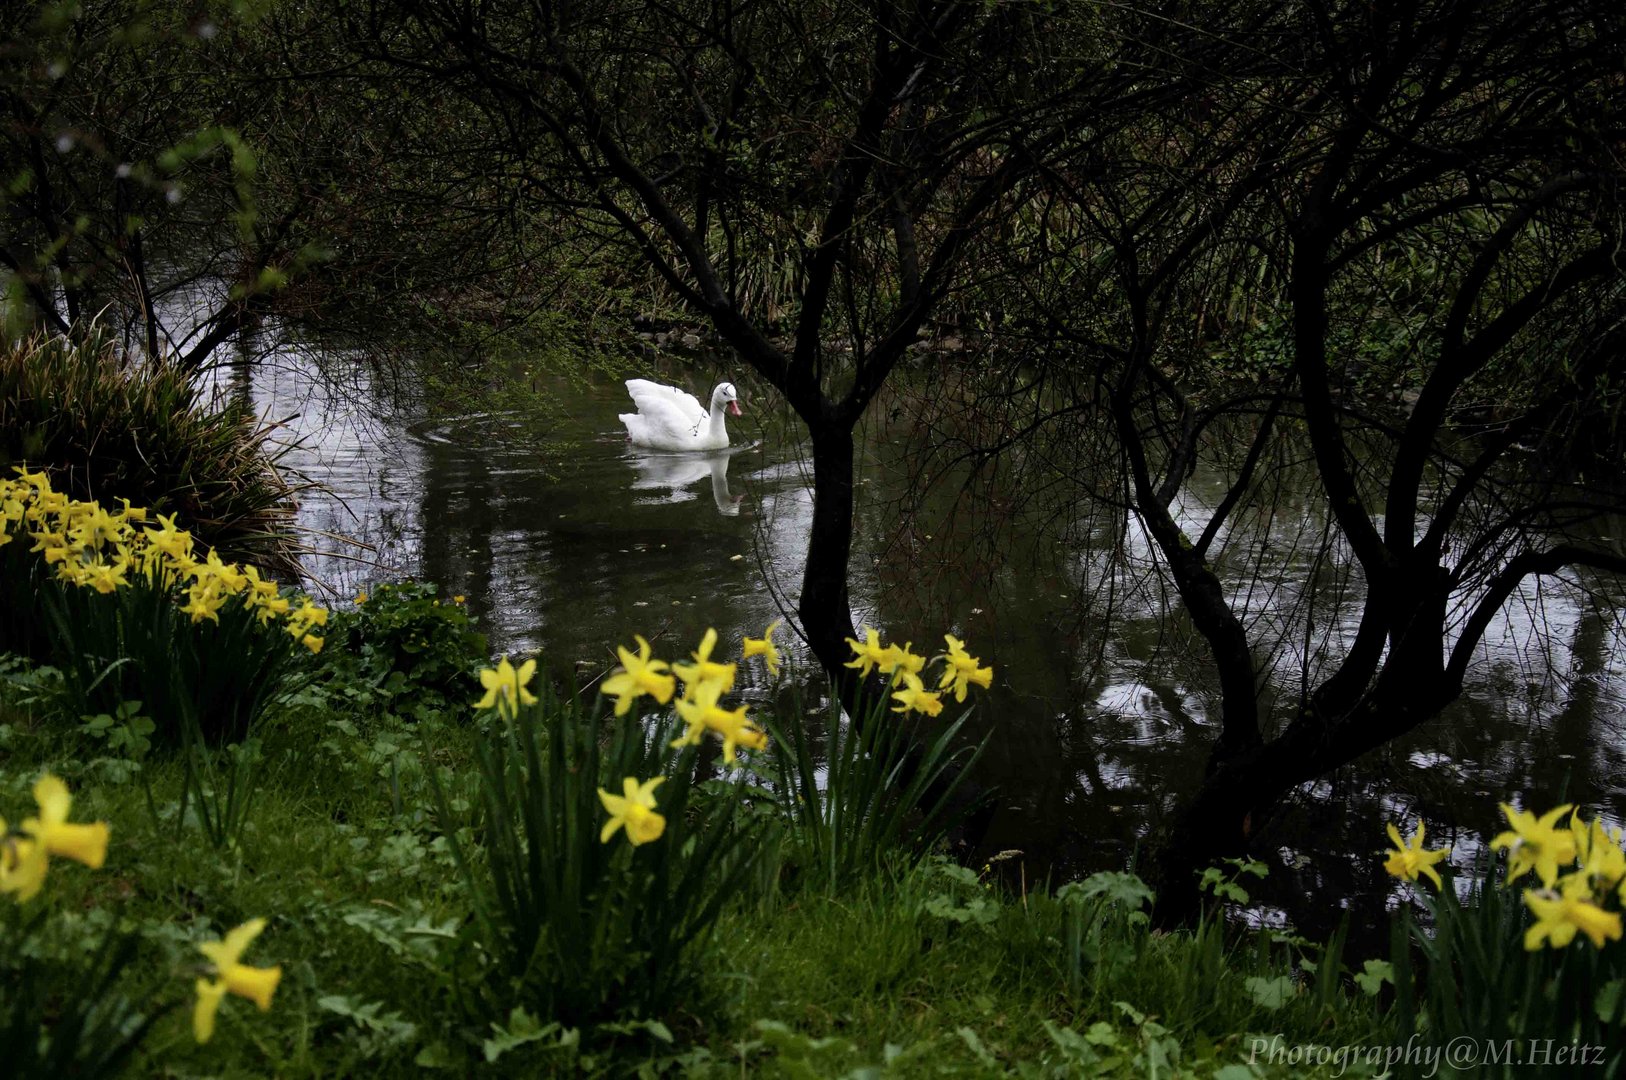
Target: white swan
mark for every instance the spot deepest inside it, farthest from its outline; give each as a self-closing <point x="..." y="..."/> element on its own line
<point x="669" y="419"/>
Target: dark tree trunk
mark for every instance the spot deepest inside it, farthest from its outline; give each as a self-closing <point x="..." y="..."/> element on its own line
<point x="1242" y="790"/>
<point x="824" y="607"/>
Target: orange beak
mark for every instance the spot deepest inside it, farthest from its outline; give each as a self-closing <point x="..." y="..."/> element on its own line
<point x="734" y="407"/>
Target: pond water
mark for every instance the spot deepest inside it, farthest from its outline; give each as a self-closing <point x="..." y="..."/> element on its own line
<point x="565" y="541"/>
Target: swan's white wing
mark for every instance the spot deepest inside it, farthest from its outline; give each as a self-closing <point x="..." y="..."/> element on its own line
<point x="652" y="397"/>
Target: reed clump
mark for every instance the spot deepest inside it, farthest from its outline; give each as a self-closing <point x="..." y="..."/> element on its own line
<point x="107" y="426"/>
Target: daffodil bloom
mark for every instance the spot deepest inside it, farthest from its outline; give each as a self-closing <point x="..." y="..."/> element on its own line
<point x="47" y="542"/>
<point x="204" y="600"/>
<point x="633" y="810"/>
<point x="900" y="662"/>
<point x="1598" y="852"/>
<point x="231" y="976"/>
<point x="704" y="669"/>
<point x="736" y="729"/>
<point x="960" y="669"/>
<point x="869" y="654"/>
<point x="40" y="481"/>
<point x="228" y="574"/>
<point x="1535" y="844"/>
<point x="505" y="687"/>
<point x="765" y="648"/>
<point x="458" y="599"/>
<point x="50" y="833"/>
<point x="20" y="868"/>
<point x="260" y="593"/>
<point x="173" y="542"/>
<point x="1409" y="860"/>
<point x="96" y="527"/>
<point x="105" y="577"/>
<point x="637" y="676"/>
<point x="1560" y="914"/>
<point x="699" y="710"/>
<point x="306" y="616"/>
<point x="914" y="697"/>
<point x="270" y="607"/>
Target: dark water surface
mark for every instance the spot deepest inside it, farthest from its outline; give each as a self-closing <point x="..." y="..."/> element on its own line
<point x="565" y="541"/>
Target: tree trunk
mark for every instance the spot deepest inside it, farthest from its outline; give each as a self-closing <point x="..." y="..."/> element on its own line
<point x="1241" y="791"/>
<point x="824" y="606"/>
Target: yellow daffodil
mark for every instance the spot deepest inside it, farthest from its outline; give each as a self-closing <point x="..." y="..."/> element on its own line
<point x="22" y="867"/>
<point x="230" y="575"/>
<point x="1598" y="852"/>
<point x="960" y="669"/>
<point x="271" y="607"/>
<point x="704" y="669"/>
<point x="1535" y="844"/>
<point x="765" y="648"/>
<point x="307" y="617"/>
<point x="50" y="833"/>
<point x="204" y="600"/>
<point x="869" y="654"/>
<point x="51" y="546"/>
<point x="231" y="976"/>
<point x="637" y="676"/>
<point x="633" y="810"/>
<point x="698" y="709"/>
<point x="1409" y="860"/>
<point x="105" y="577"/>
<point x="914" y="697"/>
<point x="96" y="527"/>
<point x="900" y="661"/>
<point x="1559" y="914"/>
<point x="505" y="687"/>
<point x="361" y="598"/>
<point x="176" y="543"/>
<point x="736" y="730"/>
<point x="458" y="599"/>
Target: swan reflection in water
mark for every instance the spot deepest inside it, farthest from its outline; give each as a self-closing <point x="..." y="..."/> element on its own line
<point x="678" y="472"/>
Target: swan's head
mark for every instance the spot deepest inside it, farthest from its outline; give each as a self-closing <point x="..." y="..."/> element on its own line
<point x="725" y="395"/>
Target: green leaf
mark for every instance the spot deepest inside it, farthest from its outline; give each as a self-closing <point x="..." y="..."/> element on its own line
<point x="1234" y="1072"/>
<point x="1608" y="1002"/>
<point x="435" y="1056"/>
<point x="1115" y="886"/>
<point x="522" y="1028"/>
<point x="1271" y="993"/>
<point x="1376" y="974"/>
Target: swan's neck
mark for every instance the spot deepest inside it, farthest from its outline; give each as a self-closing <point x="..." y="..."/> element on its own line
<point x="719" y="414"/>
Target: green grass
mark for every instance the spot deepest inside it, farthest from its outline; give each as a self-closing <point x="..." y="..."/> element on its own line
<point x="921" y="973"/>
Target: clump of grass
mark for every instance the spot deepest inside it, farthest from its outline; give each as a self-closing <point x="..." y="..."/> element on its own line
<point x="108" y="426"/>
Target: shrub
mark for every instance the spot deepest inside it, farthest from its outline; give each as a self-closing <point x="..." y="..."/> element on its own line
<point x="413" y="654"/>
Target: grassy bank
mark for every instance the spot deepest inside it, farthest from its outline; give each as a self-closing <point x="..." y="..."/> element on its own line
<point x="910" y="971"/>
<point x="342" y="843"/>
